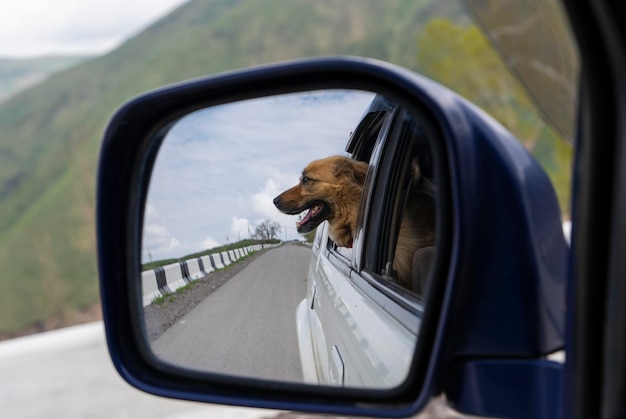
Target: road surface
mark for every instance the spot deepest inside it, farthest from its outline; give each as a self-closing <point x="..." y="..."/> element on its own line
<point x="247" y="327"/>
<point x="67" y="373"/>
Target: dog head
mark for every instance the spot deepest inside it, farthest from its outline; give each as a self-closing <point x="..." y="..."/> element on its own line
<point x="330" y="189"/>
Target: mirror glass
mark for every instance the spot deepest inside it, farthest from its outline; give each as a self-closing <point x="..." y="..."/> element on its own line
<point x="253" y="256"/>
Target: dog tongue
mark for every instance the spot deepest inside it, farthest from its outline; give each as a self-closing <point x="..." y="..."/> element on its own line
<point x="312" y="211"/>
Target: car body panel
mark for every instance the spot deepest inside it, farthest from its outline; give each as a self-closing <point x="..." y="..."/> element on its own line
<point x="352" y="336"/>
<point x="305" y="343"/>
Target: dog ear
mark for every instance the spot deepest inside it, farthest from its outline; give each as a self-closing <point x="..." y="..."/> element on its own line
<point x="359" y="172"/>
<point x="419" y="182"/>
<point x="351" y="169"/>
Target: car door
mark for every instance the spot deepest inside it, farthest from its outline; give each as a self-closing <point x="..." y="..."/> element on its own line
<point x="364" y="324"/>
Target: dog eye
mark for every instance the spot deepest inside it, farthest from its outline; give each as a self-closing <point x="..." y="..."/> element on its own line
<point x="305" y="179"/>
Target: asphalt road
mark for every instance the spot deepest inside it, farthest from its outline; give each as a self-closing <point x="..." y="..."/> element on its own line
<point x="67" y="373"/>
<point x="247" y="327"/>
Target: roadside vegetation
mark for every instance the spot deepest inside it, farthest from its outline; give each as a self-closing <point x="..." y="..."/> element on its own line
<point x="224" y="248"/>
<point x="51" y="133"/>
<point x="168" y="298"/>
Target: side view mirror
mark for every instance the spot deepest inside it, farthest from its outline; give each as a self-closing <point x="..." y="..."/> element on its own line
<point x="336" y="235"/>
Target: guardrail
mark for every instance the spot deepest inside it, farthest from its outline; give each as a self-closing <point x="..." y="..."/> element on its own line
<point x="167" y="279"/>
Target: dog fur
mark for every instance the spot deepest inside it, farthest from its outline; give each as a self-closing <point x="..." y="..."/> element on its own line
<point x="331" y="188"/>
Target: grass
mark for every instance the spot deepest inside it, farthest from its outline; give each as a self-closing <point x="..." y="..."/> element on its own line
<point x="224" y="248"/>
<point x="20" y="74"/>
<point x="172" y="296"/>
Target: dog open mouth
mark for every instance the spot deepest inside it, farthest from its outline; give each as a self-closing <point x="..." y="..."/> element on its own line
<point x="318" y="210"/>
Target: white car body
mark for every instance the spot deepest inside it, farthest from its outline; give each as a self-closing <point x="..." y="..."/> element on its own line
<point x="349" y="333"/>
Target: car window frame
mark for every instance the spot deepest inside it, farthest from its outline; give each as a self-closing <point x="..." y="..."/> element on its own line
<point x="398" y="301"/>
<point x="355" y="263"/>
<point x="383" y="224"/>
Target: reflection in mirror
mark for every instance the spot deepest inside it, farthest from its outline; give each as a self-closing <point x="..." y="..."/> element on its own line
<point x="245" y="274"/>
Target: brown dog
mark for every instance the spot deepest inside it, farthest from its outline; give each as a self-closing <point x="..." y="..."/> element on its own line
<point x="330" y="189"/>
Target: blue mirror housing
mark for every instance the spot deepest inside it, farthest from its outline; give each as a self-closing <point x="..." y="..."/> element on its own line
<point x="498" y="290"/>
<point x="508" y="308"/>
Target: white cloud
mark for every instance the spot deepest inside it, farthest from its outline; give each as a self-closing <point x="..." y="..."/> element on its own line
<point x="157" y="239"/>
<point x="219" y="169"/>
<point x="263" y="203"/>
<point x="160" y="243"/>
<point x="240" y="229"/>
<point x="262" y="200"/>
<point x="209" y="243"/>
<point x="30" y="28"/>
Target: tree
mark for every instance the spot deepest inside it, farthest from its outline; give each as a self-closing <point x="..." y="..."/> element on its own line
<point x="462" y="59"/>
<point x="266" y="230"/>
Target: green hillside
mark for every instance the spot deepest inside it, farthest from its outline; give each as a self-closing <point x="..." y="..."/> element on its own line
<point x="51" y="133"/>
<point x="20" y="74"/>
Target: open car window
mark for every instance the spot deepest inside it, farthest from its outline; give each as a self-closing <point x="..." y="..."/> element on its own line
<point x="395" y="230"/>
<point x="411" y="214"/>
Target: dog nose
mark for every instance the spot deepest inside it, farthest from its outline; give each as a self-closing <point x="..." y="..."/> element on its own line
<point x="277" y="200"/>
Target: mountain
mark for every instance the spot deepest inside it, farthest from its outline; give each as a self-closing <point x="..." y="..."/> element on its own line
<point x="51" y="133"/>
<point x="20" y="74"/>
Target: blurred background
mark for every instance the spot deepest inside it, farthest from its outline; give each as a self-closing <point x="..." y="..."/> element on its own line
<point x="65" y="66"/>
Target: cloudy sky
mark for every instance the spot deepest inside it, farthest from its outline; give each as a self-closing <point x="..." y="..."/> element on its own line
<point x="219" y="169"/>
<point x="31" y="28"/>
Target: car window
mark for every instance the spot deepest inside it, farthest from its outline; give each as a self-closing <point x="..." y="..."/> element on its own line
<point x="411" y="235"/>
<point x="367" y="137"/>
<point x="405" y="186"/>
